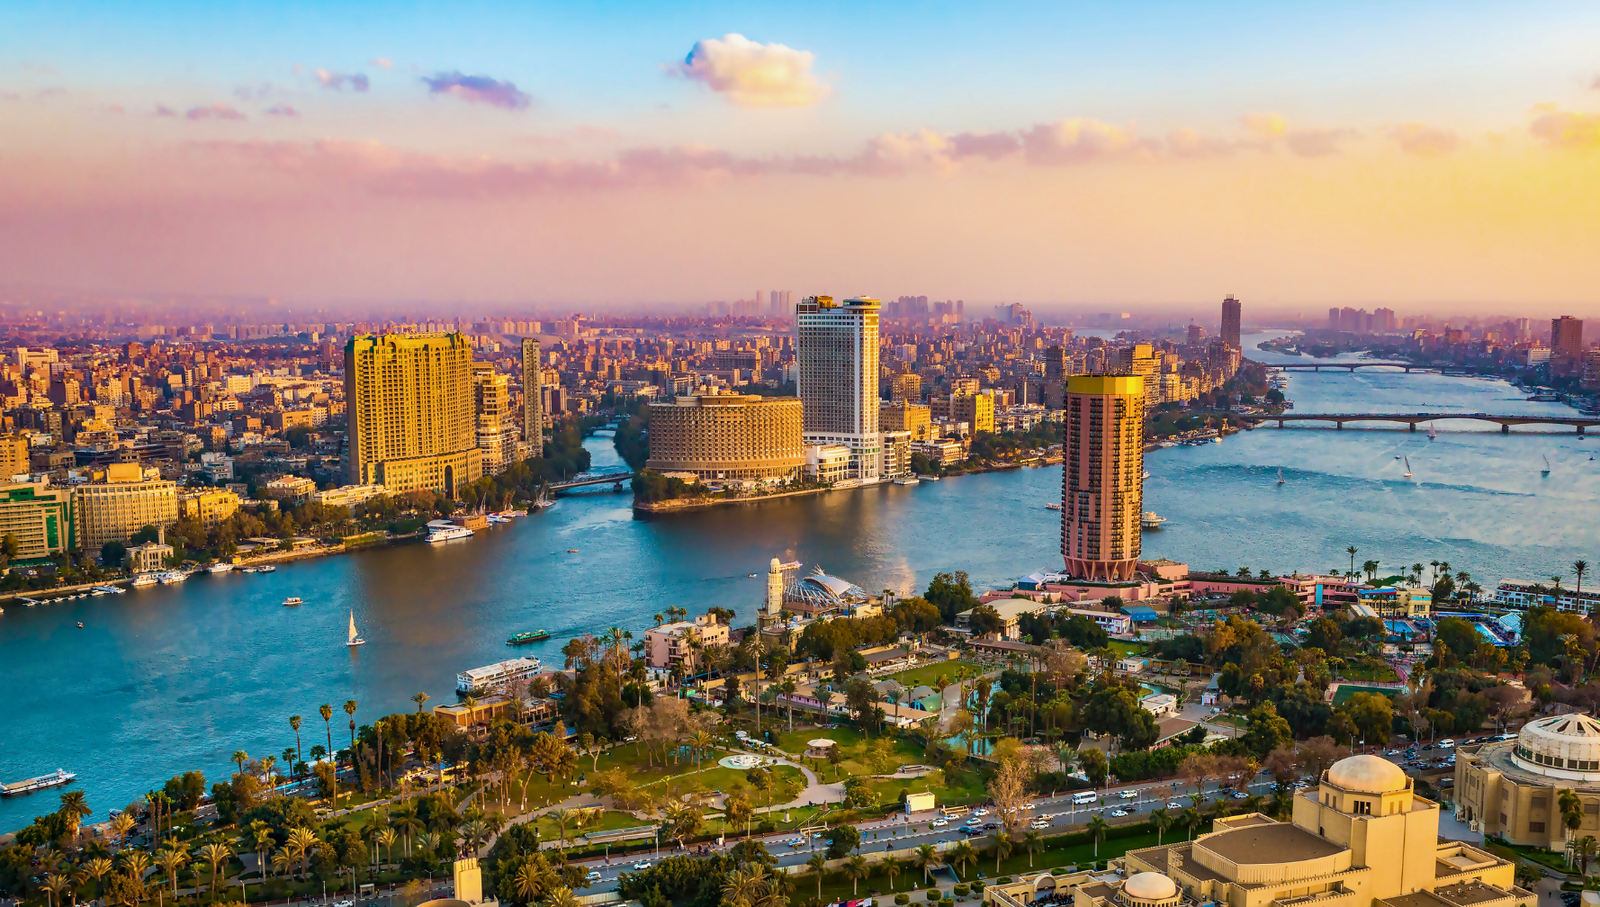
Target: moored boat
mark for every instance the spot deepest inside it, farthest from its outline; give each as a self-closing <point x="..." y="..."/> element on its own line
<point x="220" y="567"/>
<point x="1151" y="520"/>
<point x="28" y="786"/>
<point x="146" y="579"/>
<point x="527" y="636"/>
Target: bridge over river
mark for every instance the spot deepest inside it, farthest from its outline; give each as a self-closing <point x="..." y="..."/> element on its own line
<point x="1351" y="367"/>
<point x="582" y="481"/>
<point x="1412" y="420"/>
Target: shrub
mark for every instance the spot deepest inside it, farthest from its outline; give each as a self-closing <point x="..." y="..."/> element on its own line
<point x="933" y="895"/>
<point x="947" y="902"/>
<point x="960" y="891"/>
<point x="902" y="899"/>
<point x="977" y="887"/>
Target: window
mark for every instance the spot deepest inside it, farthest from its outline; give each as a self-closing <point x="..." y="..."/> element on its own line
<point x="1535" y="827"/>
<point x="1361" y="807"/>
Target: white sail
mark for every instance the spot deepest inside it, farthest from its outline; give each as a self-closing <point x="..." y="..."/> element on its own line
<point x="352" y="626"/>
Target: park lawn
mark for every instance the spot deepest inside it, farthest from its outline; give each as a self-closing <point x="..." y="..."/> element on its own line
<point x="928" y="674"/>
<point x="1371" y="673"/>
<point x="715" y="777"/>
<point x="1126" y="648"/>
<point x="965" y="789"/>
<point x="610" y="820"/>
<point x="1347" y="690"/>
<point x="853" y="746"/>
<point x="1546" y="858"/>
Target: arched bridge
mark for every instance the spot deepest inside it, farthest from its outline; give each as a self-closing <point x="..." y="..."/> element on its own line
<point x="1368" y="363"/>
<point x="1412" y="420"/>
<point x="610" y="478"/>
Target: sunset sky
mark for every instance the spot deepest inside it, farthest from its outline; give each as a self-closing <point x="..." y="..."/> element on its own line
<point x="1425" y="155"/>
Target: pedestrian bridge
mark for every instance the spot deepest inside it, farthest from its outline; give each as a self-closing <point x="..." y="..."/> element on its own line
<point x="1412" y="420"/>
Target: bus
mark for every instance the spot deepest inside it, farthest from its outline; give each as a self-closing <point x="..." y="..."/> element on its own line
<point x="1082" y="797"/>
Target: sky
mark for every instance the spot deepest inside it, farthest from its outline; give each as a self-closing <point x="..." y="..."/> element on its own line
<point x="1137" y="154"/>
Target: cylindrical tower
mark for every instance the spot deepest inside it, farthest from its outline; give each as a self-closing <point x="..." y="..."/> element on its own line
<point x="1102" y="476"/>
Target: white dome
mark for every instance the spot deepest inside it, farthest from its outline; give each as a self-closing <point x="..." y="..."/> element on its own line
<point x="1150" y="886"/>
<point x="1566" y="746"/>
<point x="1367" y="775"/>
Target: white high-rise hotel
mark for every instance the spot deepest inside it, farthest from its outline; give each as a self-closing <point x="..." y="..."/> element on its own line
<point x="836" y="351"/>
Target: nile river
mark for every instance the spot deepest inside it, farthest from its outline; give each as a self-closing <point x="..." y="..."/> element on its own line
<point x="171" y="678"/>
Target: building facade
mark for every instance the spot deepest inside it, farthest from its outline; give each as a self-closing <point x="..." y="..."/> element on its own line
<point x="210" y="506"/>
<point x="908" y="417"/>
<point x="491" y="402"/>
<point x="727" y="436"/>
<point x="1102" y="477"/>
<point x="532" y="398"/>
<point x="40" y="516"/>
<point x="684" y="643"/>
<point x="1566" y="336"/>
<point x="410" y="412"/>
<point x="1511" y="788"/>
<point x="1232" y="309"/>
<point x="127" y="501"/>
<point x="836" y="351"/>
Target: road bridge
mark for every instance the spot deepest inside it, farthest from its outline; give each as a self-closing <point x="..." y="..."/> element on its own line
<point x="610" y="478"/>
<point x="1412" y="420"/>
<point x="1351" y="367"/>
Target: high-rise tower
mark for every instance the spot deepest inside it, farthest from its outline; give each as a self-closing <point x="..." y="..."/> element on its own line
<point x="532" y="413"/>
<point x="1231" y="310"/>
<point x="836" y="354"/>
<point x="410" y="410"/>
<point x="1566" y="336"/>
<point x="1102" y="476"/>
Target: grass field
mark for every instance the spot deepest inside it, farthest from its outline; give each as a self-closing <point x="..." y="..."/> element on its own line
<point x="928" y="674"/>
<point x="1381" y="673"/>
<point x="1349" y="689"/>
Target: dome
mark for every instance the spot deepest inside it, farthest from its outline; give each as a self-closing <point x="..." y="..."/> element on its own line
<point x="1566" y="746"/>
<point x="1150" y="886"/>
<point x="1367" y="775"/>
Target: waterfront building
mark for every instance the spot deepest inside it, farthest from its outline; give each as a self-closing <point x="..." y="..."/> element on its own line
<point x="836" y="351"/>
<point x="1360" y="838"/>
<point x="40" y="517"/>
<point x="828" y="463"/>
<point x="349" y="495"/>
<point x="499" y="676"/>
<point x="684" y="642"/>
<point x="906" y="416"/>
<point x="147" y="558"/>
<point x="1102" y="476"/>
<point x="532" y="398"/>
<point x="410" y="412"/>
<point x="724" y="436"/>
<point x="491" y="404"/>
<point x="1232" y="309"/>
<point x="1511" y="788"/>
<point x="208" y="506"/>
<point x="819" y="594"/>
<point x="289" y="488"/>
<point x="975" y="409"/>
<point x="129" y="499"/>
<point x="1010" y="611"/>
<point x="896" y="446"/>
<point x="1522" y="594"/>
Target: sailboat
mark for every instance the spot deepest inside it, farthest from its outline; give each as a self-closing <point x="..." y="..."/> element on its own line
<point x="1546" y="470"/>
<point x="1280" y="475"/>
<point x="1431" y="433"/>
<point x="1408" y="467"/>
<point x="354" y="639"/>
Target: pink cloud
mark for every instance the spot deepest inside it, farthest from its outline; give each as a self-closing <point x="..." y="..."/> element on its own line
<point x="282" y="110"/>
<point x="1424" y="141"/>
<point x="337" y="81"/>
<point x="1567" y="129"/>
<point x="478" y="90"/>
<point x="217" y="111"/>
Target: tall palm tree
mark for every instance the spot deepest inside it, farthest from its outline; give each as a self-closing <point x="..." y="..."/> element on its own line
<point x="1097" y="833"/>
<point x="136" y="863"/>
<point x="1162" y="820"/>
<point x="926" y="859"/>
<point x="240" y="757"/>
<point x="121" y="826"/>
<point x="54" y="884"/>
<point x="386" y="838"/>
<point x="97" y="868"/>
<point x="215" y="854"/>
<point x="1002" y="848"/>
<point x="855" y="869"/>
<point x="818" y="863"/>
<point x="528" y="882"/>
<point x="891" y="867"/>
<point x="299" y="755"/>
<point x="699" y="742"/>
<point x="350" y="709"/>
<point x="302" y="841"/>
<point x="961" y="855"/>
<point x="326" y="711"/>
<point x="1032" y="843"/>
<point x="260" y="840"/>
<point x="1191" y="819"/>
<point x="419" y="699"/>
<point x="560" y="896"/>
<point x="74" y="807"/>
<point x="1585" y="848"/>
<point x="171" y="860"/>
<point x="1580" y="567"/>
<point x="1352" y="552"/>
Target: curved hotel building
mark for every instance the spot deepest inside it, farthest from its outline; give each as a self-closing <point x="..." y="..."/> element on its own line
<point x="1511" y="788"/>
<point x="1102" y="476"/>
<point x="731" y="437"/>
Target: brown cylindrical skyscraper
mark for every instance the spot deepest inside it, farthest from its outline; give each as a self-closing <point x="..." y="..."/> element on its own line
<point x="1102" y="476"/>
<point x="1232" y="309"/>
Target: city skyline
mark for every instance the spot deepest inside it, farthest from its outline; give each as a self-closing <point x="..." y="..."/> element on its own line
<point x="1364" y="156"/>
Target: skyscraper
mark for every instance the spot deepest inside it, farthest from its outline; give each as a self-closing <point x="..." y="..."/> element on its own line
<point x="836" y="354"/>
<point x="1566" y="336"/>
<point x="1102" y="476"/>
<point x="1231" y="310"/>
<point x="410" y="411"/>
<point x="491" y="400"/>
<point x="532" y="399"/>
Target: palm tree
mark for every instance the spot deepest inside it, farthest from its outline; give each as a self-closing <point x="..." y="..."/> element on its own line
<point x="818" y="863"/>
<point x="1162" y="820"/>
<point x="294" y="722"/>
<point x="699" y="742"/>
<point x="419" y="699"/>
<point x="326" y="711"/>
<point x="97" y="869"/>
<point x="1571" y="811"/>
<point x="54" y="884"/>
<point x="1002" y="848"/>
<point x="961" y="855"/>
<point x="120" y="827"/>
<point x="1191" y="819"/>
<point x="74" y="808"/>
<point x="283" y="861"/>
<point x="560" y="896"/>
<point x="926" y="859"/>
<point x="1352" y="552"/>
<point x="1580" y="567"/>
<point x="301" y="842"/>
<point x="215" y="854"/>
<point x="892" y="867"/>
<point x="406" y="822"/>
<point x="136" y="863"/>
<point x="1097" y="833"/>
<point x="528" y="883"/>
<point x="240" y="757"/>
<point x="350" y="709"/>
<point x="260" y="840"/>
<point x="171" y="860"/>
<point x="855" y="869"/>
<point x="385" y="838"/>
<point x="1032" y="843"/>
<point x="1585" y="848"/>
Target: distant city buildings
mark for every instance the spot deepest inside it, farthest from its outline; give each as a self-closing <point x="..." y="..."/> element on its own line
<point x="1231" y="311"/>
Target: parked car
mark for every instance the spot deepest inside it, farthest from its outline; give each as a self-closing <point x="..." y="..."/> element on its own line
<point x="980" y="812"/>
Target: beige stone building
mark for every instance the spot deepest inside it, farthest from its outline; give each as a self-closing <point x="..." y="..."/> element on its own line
<point x="210" y="507"/>
<point x="491" y="399"/>
<point x="684" y="642"/>
<point x="977" y="410"/>
<point x="1361" y="838"/>
<point x="410" y="411"/>
<point x="911" y="417"/>
<point x="128" y="500"/>
<point x="1512" y="788"/>
<point x="727" y="437"/>
<point x="1102" y="476"/>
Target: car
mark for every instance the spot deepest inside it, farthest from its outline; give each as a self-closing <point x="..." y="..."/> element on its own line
<point x="641" y="866"/>
<point x="798" y="842"/>
<point x="593" y="876"/>
<point x="939" y="823"/>
<point x="990" y="826"/>
<point x="1238" y="795"/>
<point x="1174" y="804"/>
<point x="980" y="812"/>
<point x="1128" y="794"/>
<point x="969" y="830"/>
<point x="1119" y="813"/>
<point x="1392" y="753"/>
<point x="1030" y="806"/>
<point x="1038" y="826"/>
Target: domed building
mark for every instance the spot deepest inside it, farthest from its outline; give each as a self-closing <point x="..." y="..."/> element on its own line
<point x="1511" y="788"/>
<point x="1362" y="837"/>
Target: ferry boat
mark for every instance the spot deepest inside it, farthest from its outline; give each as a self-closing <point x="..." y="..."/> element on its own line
<point x="146" y="579"/>
<point x="513" y="513"/>
<point x="499" y="674"/>
<point x="173" y="576"/>
<point x="1052" y="506"/>
<point x="220" y="567"/>
<point x="1151" y="520"/>
<point x="908" y="480"/>
<point x="527" y="636"/>
<point x="269" y="568"/>
<point x="293" y="601"/>
<point x="54" y="779"/>
<point x="445" y="531"/>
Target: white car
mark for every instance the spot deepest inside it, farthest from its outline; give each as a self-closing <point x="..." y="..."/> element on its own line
<point x="1030" y="806"/>
<point x="940" y="823"/>
<point x="980" y="812"/>
<point x="1119" y="813"/>
<point x="1174" y="804"/>
<point x="641" y="866"/>
<point x="1038" y="824"/>
<point x="1128" y="794"/>
<point x="593" y="876"/>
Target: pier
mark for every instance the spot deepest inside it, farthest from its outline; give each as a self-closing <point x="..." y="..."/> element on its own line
<point x="1412" y="420"/>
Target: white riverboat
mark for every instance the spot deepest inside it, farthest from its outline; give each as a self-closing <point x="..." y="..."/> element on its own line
<point x="499" y="674"/>
<point x="146" y="579"/>
<point x="54" y="779"/>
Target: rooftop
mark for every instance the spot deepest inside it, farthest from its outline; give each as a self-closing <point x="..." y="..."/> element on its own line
<point x="1273" y="842"/>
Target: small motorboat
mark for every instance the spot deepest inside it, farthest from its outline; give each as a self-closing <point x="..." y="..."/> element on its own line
<point x="1052" y="506"/>
<point x="293" y="601"/>
<point x="572" y="551"/>
<point x="80" y="625"/>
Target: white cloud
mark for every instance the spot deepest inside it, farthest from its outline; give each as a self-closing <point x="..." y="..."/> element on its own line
<point x="753" y="74"/>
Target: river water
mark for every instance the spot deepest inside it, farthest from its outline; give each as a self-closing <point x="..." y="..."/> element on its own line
<point x="171" y="678"/>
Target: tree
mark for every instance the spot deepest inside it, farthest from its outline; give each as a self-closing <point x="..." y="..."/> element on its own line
<point x="855" y="869"/>
<point x="74" y="808"/>
<point x="171" y="860"/>
<point x="419" y="699"/>
<point x="1372" y="716"/>
<point x="214" y="854"/>
<point x="1095" y="765"/>
<point x="1162" y="820"/>
<point x="1571" y="811"/>
<point x="1324" y="634"/>
<point x="819" y="864"/>
<point x="926" y="859"/>
<point x="841" y="840"/>
<point x="326" y="711"/>
<point x="1097" y="833"/>
<point x="1585" y="848"/>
